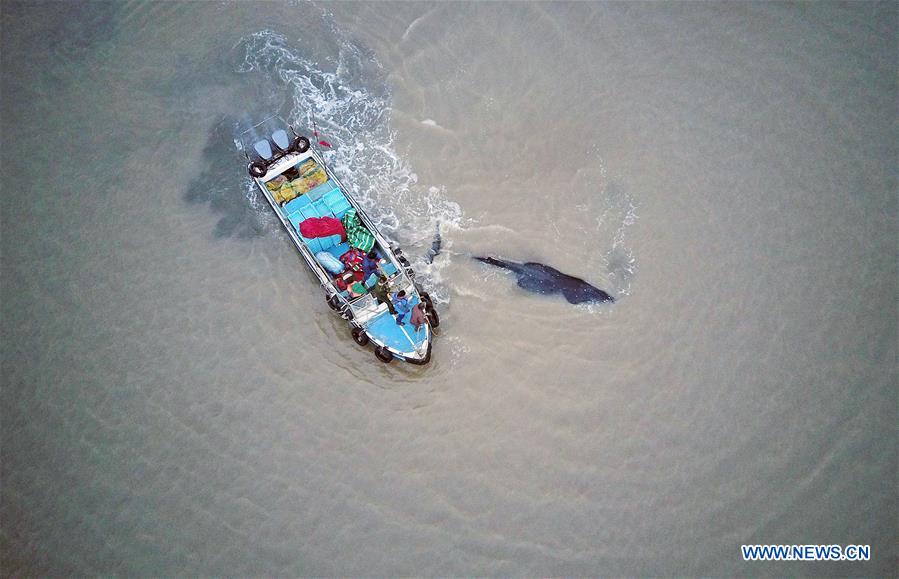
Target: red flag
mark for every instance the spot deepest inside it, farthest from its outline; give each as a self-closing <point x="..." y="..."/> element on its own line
<point x="315" y="132"/>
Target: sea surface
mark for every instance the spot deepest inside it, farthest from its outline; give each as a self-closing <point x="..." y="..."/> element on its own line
<point x="178" y="399"/>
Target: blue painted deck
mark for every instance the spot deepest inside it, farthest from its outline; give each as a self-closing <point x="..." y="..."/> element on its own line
<point x="402" y="338"/>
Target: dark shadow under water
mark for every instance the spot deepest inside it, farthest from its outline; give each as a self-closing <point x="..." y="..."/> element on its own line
<point x="225" y="186"/>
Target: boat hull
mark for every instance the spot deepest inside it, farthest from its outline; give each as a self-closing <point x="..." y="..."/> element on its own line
<point x="401" y="341"/>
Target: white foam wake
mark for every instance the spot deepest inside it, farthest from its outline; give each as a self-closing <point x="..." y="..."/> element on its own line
<point x="350" y="106"/>
<point x="349" y="102"/>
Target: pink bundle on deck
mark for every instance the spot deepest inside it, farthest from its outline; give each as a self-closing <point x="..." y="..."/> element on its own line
<point x="322" y="227"/>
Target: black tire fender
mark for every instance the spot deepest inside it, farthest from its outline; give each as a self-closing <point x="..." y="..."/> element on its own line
<point x="383" y="354"/>
<point x="300" y="144"/>
<point x="257" y="169"/>
<point x="360" y="337"/>
<point x="433" y="318"/>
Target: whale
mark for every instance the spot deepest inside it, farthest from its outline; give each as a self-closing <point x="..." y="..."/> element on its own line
<point x="540" y="278"/>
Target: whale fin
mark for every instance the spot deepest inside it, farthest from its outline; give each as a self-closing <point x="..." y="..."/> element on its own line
<point x="585" y="294"/>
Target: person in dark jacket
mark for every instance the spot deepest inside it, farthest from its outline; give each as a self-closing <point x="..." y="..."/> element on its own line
<point x="382" y="292"/>
<point x="370" y="264"/>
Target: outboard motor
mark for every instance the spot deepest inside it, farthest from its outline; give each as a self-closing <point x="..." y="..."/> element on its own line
<point x="266" y="151"/>
<point x="279" y="139"/>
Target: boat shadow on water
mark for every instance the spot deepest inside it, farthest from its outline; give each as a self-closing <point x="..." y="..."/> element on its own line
<point x="225" y="188"/>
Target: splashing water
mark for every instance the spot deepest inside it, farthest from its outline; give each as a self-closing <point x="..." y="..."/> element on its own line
<point x="351" y="110"/>
<point x="619" y="260"/>
<point x="349" y="103"/>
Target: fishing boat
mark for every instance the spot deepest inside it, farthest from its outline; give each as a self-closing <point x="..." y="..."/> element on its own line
<point x="332" y="233"/>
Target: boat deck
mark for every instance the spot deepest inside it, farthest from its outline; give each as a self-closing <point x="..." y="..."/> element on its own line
<point x="401" y="338"/>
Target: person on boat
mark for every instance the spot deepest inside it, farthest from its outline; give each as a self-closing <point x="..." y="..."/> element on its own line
<point x="401" y="303"/>
<point x="418" y="317"/>
<point x="382" y="292"/>
<point x="343" y="281"/>
<point x="356" y="289"/>
<point x="346" y="279"/>
<point x="347" y="283"/>
<point x="370" y="264"/>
